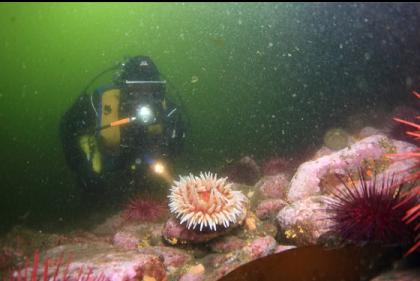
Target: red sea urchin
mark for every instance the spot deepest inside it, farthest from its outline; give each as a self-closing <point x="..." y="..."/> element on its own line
<point x="206" y="201"/>
<point x="52" y="269"/>
<point x="413" y="214"/>
<point x="144" y="209"/>
<point x="365" y="211"/>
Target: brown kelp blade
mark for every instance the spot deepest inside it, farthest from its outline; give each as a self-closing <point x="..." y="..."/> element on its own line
<point x="317" y="263"/>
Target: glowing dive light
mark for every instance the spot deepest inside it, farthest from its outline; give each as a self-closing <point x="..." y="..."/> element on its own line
<point x="158" y="168"/>
<point x="145" y="114"/>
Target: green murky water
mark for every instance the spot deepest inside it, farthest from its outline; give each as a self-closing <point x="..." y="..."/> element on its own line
<point x="254" y="79"/>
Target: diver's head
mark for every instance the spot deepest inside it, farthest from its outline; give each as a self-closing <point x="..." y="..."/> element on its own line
<point x="139" y="68"/>
<point x="142" y="88"/>
<point x="140" y="76"/>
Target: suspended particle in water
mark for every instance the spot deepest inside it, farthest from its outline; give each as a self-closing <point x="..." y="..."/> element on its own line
<point x="194" y="79"/>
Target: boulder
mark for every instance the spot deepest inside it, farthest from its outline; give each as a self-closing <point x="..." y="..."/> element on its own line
<point x="307" y="180"/>
<point x="304" y="221"/>
<point x="101" y="261"/>
<point x="261" y="247"/>
<point x="274" y="186"/>
<point x="269" y="208"/>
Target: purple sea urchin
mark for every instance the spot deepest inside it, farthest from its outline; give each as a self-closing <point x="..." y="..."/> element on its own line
<point x="144" y="209"/>
<point x="365" y="211"/>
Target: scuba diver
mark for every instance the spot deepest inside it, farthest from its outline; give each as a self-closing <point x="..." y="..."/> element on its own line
<point x="129" y="126"/>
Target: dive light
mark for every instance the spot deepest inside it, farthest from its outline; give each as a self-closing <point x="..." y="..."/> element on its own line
<point x="145" y="115"/>
<point x="158" y="167"/>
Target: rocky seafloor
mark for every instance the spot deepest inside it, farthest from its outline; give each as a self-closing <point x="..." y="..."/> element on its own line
<point x="286" y="210"/>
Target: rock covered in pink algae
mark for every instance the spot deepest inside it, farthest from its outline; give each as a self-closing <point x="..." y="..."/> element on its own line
<point x="269" y="208"/>
<point x="222" y="264"/>
<point x="171" y="256"/>
<point x="194" y="273"/>
<point x="367" y="132"/>
<point x="306" y="181"/>
<point x="304" y="221"/>
<point x="245" y="171"/>
<point x="174" y="233"/>
<point x="274" y="166"/>
<point x="261" y="247"/>
<point x="323" y="151"/>
<point x="223" y="270"/>
<point x="130" y="236"/>
<point x="227" y="244"/>
<point x="125" y="240"/>
<point x="274" y="186"/>
<point x="109" y="226"/>
<point x="133" y="268"/>
<point x="112" y="264"/>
